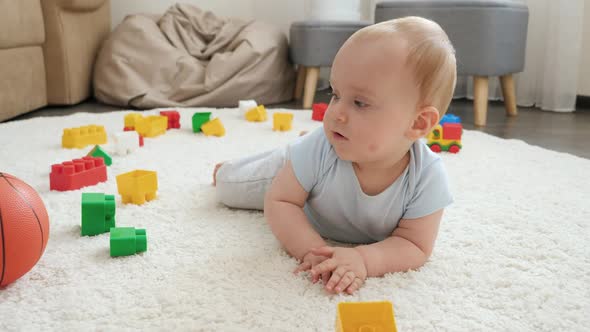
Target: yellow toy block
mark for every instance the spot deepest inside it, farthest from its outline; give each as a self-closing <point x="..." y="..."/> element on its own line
<point x="83" y="136"/>
<point x="256" y="114"/>
<point x="282" y="121"/>
<point x="213" y="127"/>
<point x="151" y="126"/>
<point x="130" y="120"/>
<point x="137" y="186"/>
<point x="365" y="317"/>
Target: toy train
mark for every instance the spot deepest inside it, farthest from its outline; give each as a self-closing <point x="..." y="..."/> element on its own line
<point x="446" y="136"/>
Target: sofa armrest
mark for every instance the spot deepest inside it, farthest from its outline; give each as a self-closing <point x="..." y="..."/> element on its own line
<point x="80" y="5"/>
<point x="74" y="32"/>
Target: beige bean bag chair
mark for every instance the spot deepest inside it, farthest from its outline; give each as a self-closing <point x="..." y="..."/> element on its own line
<point x="189" y="57"/>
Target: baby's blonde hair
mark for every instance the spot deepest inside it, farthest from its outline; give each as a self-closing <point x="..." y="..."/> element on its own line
<point x="429" y="52"/>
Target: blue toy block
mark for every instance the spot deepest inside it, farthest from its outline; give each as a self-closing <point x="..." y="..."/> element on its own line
<point x="450" y="118"/>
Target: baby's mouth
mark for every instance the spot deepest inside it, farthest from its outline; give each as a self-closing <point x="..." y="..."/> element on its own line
<point x="339" y="136"/>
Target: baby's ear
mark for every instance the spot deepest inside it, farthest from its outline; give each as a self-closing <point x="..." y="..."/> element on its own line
<point x="426" y="118"/>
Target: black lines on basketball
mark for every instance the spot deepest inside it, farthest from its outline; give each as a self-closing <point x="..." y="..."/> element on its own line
<point x="3" y="250"/>
<point x="30" y="207"/>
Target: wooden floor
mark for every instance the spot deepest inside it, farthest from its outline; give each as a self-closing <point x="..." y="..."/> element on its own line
<point x="565" y="132"/>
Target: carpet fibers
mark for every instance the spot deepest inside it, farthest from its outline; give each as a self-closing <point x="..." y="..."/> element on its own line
<point x="512" y="253"/>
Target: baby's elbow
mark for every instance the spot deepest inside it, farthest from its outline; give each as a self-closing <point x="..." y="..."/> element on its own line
<point x="417" y="258"/>
<point x="426" y="253"/>
<point x="421" y="258"/>
<point x="422" y="253"/>
<point x="420" y="261"/>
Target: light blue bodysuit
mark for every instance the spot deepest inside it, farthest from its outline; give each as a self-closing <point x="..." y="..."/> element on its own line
<point x="337" y="207"/>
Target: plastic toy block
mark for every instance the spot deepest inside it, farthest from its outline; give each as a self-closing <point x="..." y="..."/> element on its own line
<point x="446" y="137"/>
<point x="126" y="142"/>
<point x="151" y="126"/>
<point x="199" y="119"/>
<point x="452" y="131"/>
<point x="130" y="120"/>
<point x="318" y="111"/>
<point x="78" y="173"/>
<point x="256" y="114"/>
<point x="97" y="151"/>
<point x="282" y="121"/>
<point x="127" y="241"/>
<point x="365" y="317"/>
<point x="173" y="119"/>
<point x="137" y="186"/>
<point x="83" y="136"/>
<point x="213" y="128"/>
<point x="98" y="213"/>
<point x="449" y="118"/>
<point x="246" y="105"/>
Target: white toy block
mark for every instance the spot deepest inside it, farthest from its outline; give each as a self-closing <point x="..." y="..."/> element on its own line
<point x="245" y="106"/>
<point x="126" y="142"/>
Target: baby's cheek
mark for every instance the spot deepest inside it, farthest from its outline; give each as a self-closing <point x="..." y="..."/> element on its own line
<point x="373" y="147"/>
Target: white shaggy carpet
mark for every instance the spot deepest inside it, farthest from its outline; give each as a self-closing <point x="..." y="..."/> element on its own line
<point x="512" y="254"/>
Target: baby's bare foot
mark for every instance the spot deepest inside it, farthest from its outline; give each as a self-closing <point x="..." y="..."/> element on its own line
<point x="215" y="173"/>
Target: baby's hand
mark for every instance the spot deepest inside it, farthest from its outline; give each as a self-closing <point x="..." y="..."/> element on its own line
<point x="310" y="261"/>
<point x="347" y="266"/>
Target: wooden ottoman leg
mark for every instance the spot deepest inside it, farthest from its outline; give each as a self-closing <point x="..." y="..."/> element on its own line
<point x="480" y="99"/>
<point x="311" y="81"/>
<point x="507" y="83"/>
<point x="300" y="82"/>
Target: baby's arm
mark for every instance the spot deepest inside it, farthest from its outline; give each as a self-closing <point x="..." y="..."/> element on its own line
<point x="283" y="209"/>
<point x="408" y="247"/>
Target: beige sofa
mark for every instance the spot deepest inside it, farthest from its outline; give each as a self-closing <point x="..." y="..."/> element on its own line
<point x="47" y="51"/>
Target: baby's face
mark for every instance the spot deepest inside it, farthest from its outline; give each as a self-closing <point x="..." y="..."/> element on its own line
<point x="374" y="100"/>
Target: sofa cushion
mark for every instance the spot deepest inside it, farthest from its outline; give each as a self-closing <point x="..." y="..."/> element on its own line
<point x="80" y="5"/>
<point x="21" y="23"/>
<point x="22" y="83"/>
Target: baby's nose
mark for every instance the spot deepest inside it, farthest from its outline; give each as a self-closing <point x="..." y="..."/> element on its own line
<point x="340" y="114"/>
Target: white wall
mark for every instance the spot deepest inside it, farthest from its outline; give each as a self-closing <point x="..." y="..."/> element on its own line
<point x="584" y="77"/>
<point x="283" y="12"/>
<point x="278" y="12"/>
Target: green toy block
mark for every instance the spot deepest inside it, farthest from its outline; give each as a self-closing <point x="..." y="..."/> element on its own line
<point x="97" y="151"/>
<point x="198" y="119"/>
<point x="127" y="241"/>
<point x="98" y="213"/>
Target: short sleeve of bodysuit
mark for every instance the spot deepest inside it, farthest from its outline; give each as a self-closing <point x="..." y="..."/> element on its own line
<point x="311" y="155"/>
<point x="431" y="191"/>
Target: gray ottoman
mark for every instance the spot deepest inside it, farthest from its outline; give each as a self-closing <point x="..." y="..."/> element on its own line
<point x="489" y="37"/>
<point x="314" y="44"/>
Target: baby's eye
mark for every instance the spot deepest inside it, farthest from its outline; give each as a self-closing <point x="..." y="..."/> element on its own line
<point x="334" y="96"/>
<point x="360" y="104"/>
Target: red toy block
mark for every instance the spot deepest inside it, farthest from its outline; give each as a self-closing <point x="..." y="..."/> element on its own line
<point x="318" y="111"/>
<point x="173" y="119"/>
<point x="452" y="131"/>
<point x="140" y="140"/>
<point x="78" y="173"/>
<point x="129" y="129"/>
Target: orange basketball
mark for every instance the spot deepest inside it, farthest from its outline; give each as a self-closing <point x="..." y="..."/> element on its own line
<point x="24" y="228"/>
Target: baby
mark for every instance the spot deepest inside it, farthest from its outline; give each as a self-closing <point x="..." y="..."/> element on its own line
<point x="365" y="178"/>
